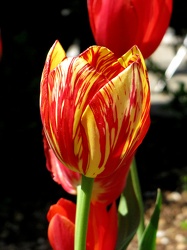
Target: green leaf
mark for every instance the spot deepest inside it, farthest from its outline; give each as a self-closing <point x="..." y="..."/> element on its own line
<point x="129" y="215"/>
<point x="148" y="240"/>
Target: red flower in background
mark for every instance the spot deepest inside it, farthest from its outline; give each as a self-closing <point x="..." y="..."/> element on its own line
<point x="61" y="218"/>
<point x="120" y="24"/>
<point x="102" y="226"/>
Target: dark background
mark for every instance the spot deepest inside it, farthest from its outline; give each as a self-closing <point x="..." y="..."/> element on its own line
<point x="28" y="31"/>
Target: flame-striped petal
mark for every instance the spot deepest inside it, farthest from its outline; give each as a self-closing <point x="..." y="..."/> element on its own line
<point x="114" y="120"/>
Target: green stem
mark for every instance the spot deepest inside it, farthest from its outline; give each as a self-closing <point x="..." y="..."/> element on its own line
<point x="84" y="192"/>
<point x="137" y="189"/>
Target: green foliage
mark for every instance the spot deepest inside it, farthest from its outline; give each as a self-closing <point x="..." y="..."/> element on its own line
<point x="129" y="215"/>
<point x="183" y="225"/>
<point x="183" y="181"/>
<point x="149" y="237"/>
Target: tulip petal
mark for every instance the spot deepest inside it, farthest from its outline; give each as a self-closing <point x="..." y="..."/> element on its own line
<point x="111" y="229"/>
<point x="102" y="227"/>
<point x="56" y="55"/>
<point x="71" y="84"/>
<point x="113" y="120"/>
<point x="107" y="189"/>
<point x="63" y="207"/>
<point x="133" y="55"/>
<point x="61" y="233"/>
<point x="103" y="60"/>
<point x="68" y="179"/>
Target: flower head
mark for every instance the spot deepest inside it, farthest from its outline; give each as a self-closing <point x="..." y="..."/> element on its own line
<point x="120" y="24"/>
<point x="94" y="108"/>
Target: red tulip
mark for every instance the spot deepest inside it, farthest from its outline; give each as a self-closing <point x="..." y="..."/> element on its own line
<point x="120" y="24"/>
<point x="102" y="226"/>
<point x="95" y="108"/>
<point x="62" y="225"/>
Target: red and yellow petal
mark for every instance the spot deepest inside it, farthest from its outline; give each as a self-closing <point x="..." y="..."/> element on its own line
<point x="70" y="87"/>
<point x="102" y="60"/>
<point x="113" y="120"/>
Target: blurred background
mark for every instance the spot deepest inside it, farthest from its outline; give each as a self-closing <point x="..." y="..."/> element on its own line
<point x="27" y="190"/>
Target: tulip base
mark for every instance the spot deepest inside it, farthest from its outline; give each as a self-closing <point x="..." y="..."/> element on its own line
<point x="84" y="192"/>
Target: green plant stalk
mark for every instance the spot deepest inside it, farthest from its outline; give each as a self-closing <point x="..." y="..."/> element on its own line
<point x="84" y="192"/>
<point x="138" y="192"/>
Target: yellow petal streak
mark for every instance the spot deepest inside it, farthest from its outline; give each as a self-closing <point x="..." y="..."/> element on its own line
<point x="57" y="56"/>
<point x="88" y="80"/>
<point x="131" y="56"/>
<point x="92" y="133"/>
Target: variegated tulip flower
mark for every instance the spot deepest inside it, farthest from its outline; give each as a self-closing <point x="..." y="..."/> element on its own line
<point x="94" y="108"/>
<point x="95" y="113"/>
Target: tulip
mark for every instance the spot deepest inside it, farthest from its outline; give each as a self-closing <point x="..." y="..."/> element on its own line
<point x="61" y="227"/>
<point x="94" y="108"/>
<point x="102" y="226"/>
<point x="120" y="24"/>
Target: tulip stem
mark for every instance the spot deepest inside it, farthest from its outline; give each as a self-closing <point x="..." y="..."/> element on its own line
<point x="84" y="192"/>
<point x="137" y="188"/>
